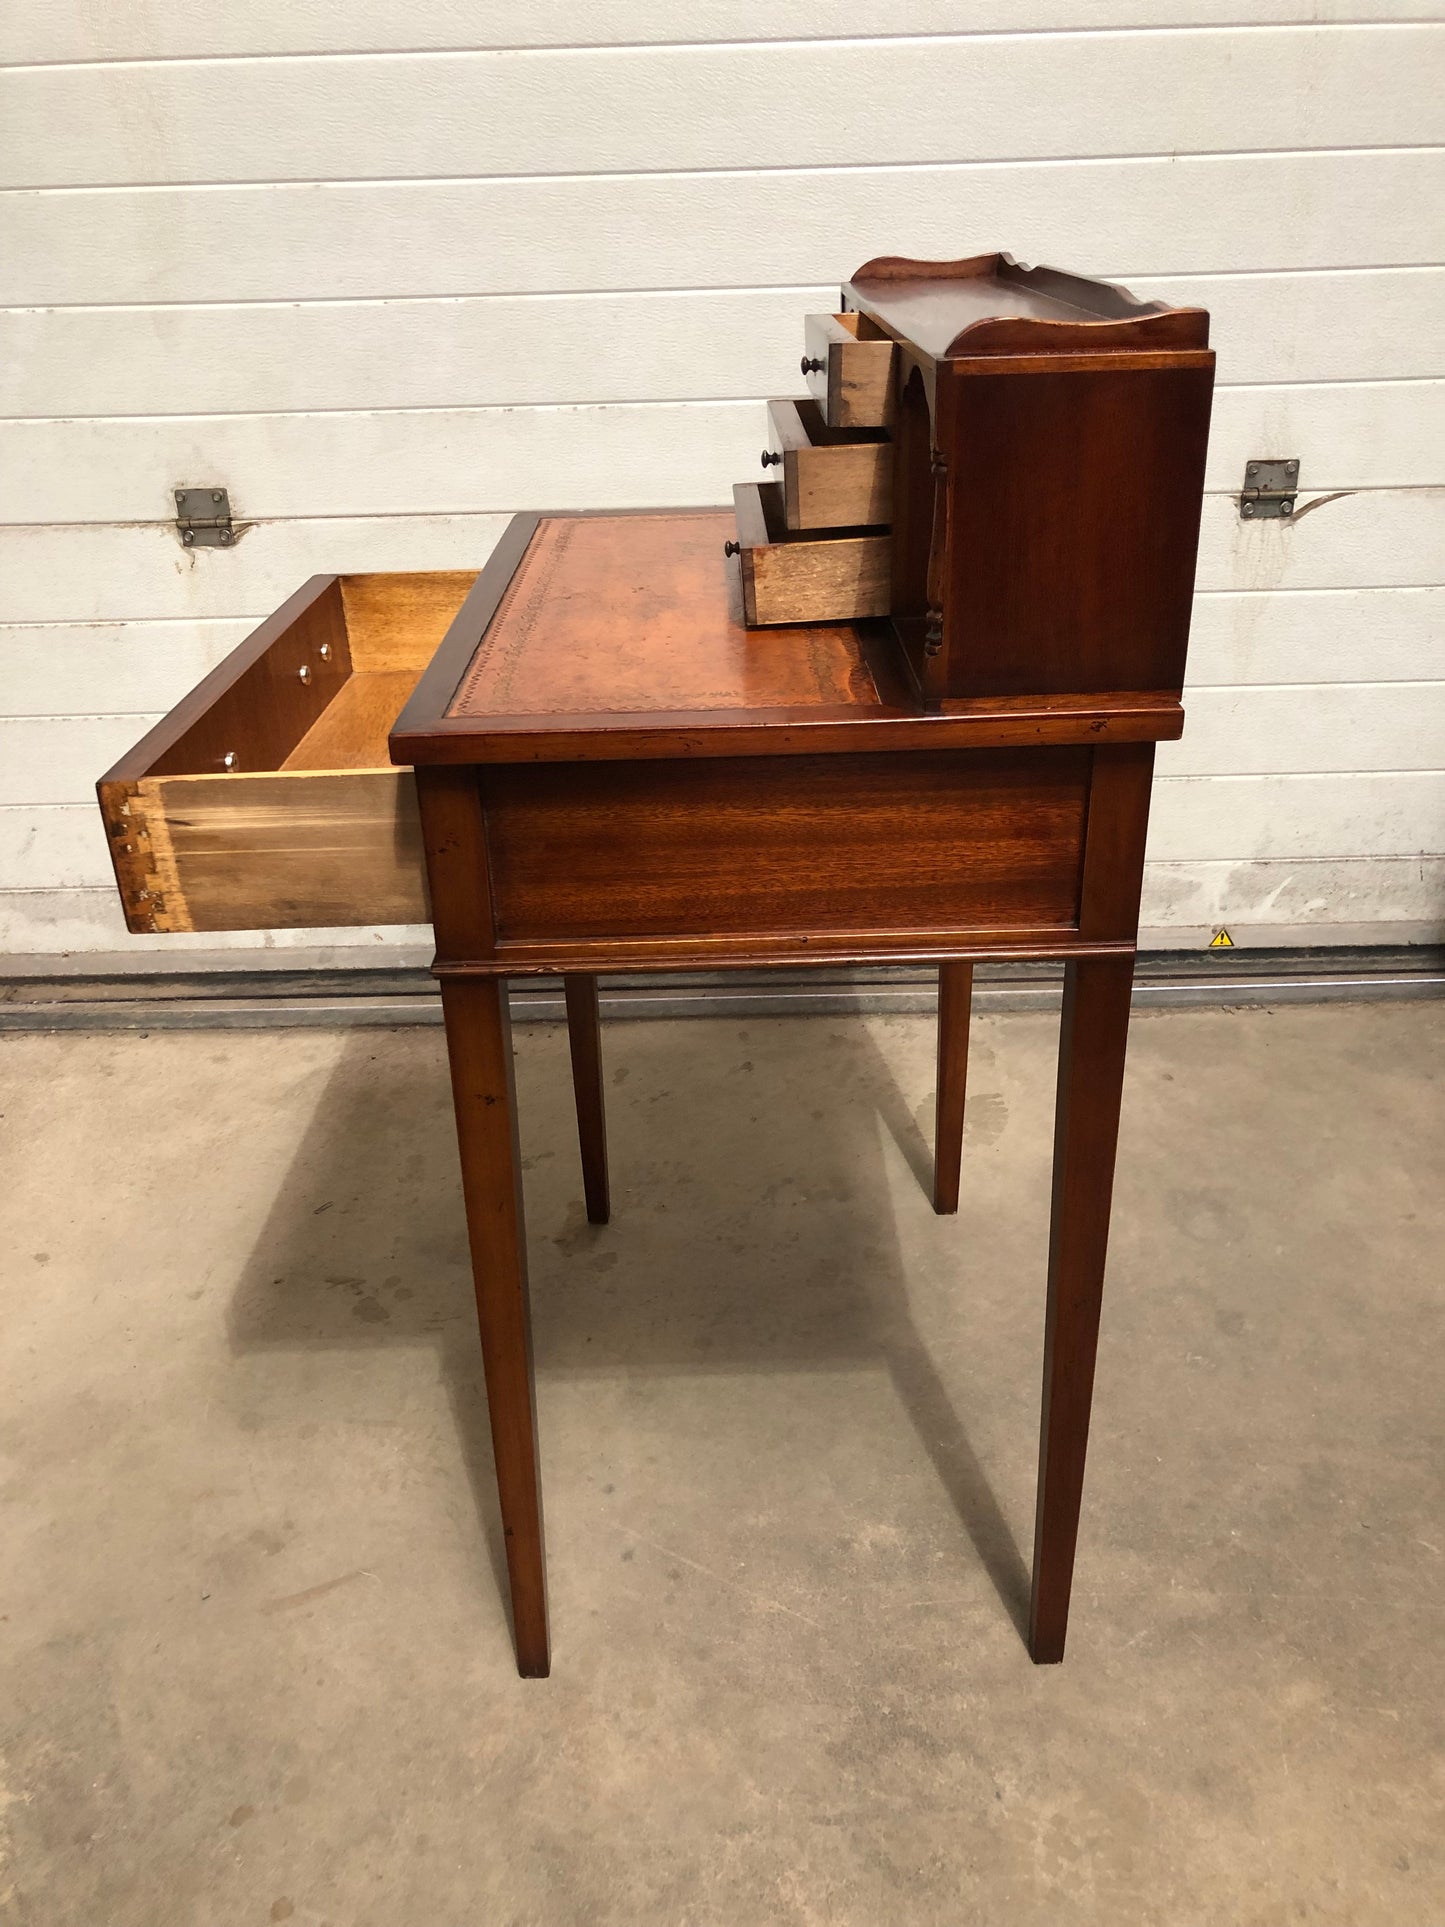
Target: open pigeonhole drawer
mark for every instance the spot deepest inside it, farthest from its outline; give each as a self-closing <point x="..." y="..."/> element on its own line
<point x="265" y="799"/>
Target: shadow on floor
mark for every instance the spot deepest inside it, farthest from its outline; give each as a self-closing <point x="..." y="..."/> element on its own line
<point x="753" y="1230"/>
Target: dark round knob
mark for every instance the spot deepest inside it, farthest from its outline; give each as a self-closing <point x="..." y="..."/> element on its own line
<point x="770" y="459"/>
<point x="812" y="365"/>
<point x="732" y="548"/>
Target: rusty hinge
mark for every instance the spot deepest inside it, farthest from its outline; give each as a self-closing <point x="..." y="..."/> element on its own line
<point x="203" y="518"/>
<point x="1269" y="489"/>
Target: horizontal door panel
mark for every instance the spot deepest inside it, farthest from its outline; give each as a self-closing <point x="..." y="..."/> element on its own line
<point x="630" y="109"/>
<point x="635" y="455"/>
<point x="715" y="344"/>
<point x="38" y="30"/>
<point x="794" y="227"/>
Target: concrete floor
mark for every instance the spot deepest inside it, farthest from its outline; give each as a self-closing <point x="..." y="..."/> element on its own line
<point x="255" y="1662"/>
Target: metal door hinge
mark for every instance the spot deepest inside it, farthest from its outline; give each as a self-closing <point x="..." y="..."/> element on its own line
<point x="1269" y="490"/>
<point x="203" y="518"/>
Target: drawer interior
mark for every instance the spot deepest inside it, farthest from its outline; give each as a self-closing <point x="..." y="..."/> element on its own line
<point x="266" y="799"/>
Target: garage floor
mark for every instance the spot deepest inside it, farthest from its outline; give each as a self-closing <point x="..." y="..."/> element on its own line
<point x="254" y="1664"/>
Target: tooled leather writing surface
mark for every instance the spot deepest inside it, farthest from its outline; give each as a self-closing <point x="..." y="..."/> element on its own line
<point x="627" y="614"/>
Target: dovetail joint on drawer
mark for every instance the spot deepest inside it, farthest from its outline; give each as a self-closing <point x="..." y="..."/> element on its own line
<point x="133" y="857"/>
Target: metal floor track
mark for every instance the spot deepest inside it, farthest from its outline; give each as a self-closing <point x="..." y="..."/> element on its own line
<point x="281" y="999"/>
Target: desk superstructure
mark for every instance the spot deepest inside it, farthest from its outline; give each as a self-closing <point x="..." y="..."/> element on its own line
<point x="1033" y="445"/>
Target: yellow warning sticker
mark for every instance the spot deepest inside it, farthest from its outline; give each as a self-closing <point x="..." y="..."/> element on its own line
<point x="1221" y="940"/>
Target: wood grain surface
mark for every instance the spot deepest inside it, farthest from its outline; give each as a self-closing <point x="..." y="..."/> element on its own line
<point x="926" y="841"/>
<point x="788" y="577"/>
<point x="853" y="385"/>
<point x="351" y="732"/>
<point x="300" y="849"/>
<point x="832" y="477"/>
<point x="396" y="618"/>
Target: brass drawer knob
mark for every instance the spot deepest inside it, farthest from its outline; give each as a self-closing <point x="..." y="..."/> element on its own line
<point x="732" y="548"/>
<point x="812" y="365"/>
<point x="770" y="459"/>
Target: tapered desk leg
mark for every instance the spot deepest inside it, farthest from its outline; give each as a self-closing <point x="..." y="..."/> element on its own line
<point x="585" y="1037"/>
<point x="1092" y="1040"/>
<point x="479" y="1045"/>
<point x="955" y="999"/>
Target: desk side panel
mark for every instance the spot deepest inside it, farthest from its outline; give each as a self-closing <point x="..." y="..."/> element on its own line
<point x="793" y="848"/>
<point x="1074" y="501"/>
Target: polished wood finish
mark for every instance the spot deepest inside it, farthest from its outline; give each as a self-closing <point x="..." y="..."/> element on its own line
<point x="834" y="575"/>
<point x="915" y="581"/>
<point x="1049" y="456"/>
<point x="854" y="384"/>
<point x="941" y="750"/>
<point x="1119" y="791"/>
<point x="1093" y="1036"/>
<point x="479" y="1049"/>
<point x="568" y="650"/>
<point x="833" y="478"/>
<point x="991" y="305"/>
<point x="1048" y="466"/>
<point x="454" y="656"/>
<point x="1072" y="525"/>
<point x="624" y="836"/>
<point x="936" y="842"/>
<point x="808" y="729"/>
<point x="955" y="1000"/>
<point x="458" y="865"/>
<point x="756" y="950"/>
<point x="584" y="1036"/>
<point x="254" y="706"/>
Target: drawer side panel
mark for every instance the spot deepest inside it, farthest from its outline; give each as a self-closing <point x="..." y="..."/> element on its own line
<point x="269" y="852"/>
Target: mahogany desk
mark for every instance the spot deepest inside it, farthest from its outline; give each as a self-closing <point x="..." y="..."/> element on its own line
<point x="877" y="737"/>
<point x="614" y="773"/>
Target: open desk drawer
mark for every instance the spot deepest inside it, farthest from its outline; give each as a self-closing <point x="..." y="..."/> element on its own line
<point x="831" y="575"/>
<point x="833" y="478"/>
<point x="849" y="368"/>
<point x="265" y="800"/>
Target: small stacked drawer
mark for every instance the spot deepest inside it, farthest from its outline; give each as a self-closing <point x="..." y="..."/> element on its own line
<point x="813" y="546"/>
<point x="833" y="478"/>
<point x="850" y="373"/>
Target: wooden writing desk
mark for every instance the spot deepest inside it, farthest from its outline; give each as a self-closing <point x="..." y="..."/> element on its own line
<point x="615" y="774"/>
<point x="903" y="710"/>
